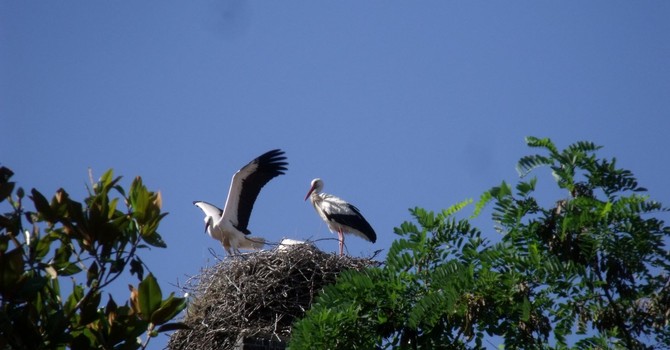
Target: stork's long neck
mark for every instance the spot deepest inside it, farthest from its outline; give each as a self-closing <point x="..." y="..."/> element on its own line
<point x="316" y="198"/>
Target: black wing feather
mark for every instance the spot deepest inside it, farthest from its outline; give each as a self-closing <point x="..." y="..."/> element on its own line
<point x="270" y="165"/>
<point x="357" y="222"/>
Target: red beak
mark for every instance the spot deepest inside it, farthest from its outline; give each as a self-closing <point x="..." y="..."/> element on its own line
<point x="309" y="192"/>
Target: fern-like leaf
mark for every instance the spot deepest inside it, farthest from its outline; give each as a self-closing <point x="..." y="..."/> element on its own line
<point x="546" y="143"/>
<point x="427" y="311"/>
<point x="583" y="147"/>
<point x="455" y="208"/>
<point x="484" y="199"/>
<point x="528" y="163"/>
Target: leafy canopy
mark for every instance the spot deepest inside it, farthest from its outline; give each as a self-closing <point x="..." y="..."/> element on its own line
<point x="589" y="271"/>
<point x="90" y="244"/>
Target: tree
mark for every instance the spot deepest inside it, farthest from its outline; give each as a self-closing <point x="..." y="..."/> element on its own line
<point x="91" y="244"/>
<point x="590" y="271"/>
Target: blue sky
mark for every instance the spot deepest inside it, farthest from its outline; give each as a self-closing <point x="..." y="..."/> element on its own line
<point x="392" y="104"/>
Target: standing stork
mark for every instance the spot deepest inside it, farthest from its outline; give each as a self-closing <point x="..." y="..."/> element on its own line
<point x="341" y="217"/>
<point x="229" y="226"/>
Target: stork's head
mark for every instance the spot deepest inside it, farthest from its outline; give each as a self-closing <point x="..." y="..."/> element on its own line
<point x="316" y="186"/>
<point x="209" y="222"/>
<point x="212" y="214"/>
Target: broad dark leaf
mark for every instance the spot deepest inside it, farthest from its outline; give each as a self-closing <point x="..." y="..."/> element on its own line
<point x="136" y="268"/>
<point x="149" y="296"/>
<point x="168" y="310"/>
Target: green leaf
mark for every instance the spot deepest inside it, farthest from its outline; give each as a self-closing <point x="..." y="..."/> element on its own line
<point x="582" y="147"/>
<point x="140" y="198"/>
<point x="525" y="188"/>
<point x="89" y="308"/>
<point x="106" y="182"/>
<point x="136" y="268"/>
<point x="6" y="187"/>
<point x="546" y="143"/>
<point x="456" y="208"/>
<point x="525" y="310"/>
<point x="106" y="177"/>
<point x="6" y="190"/>
<point x="528" y="163"/>
<point x="43" y="246"/>
<point x="607" y="208"/>
<point x="11" y="269"/>
<point x="69" y="269"/>
<point x="155" y="240"/>
<point x="92" y="273"/>
<point x="5" y="174"/>
<point x="42" y="205"/>
<point x="73" y="299"/>
<point x="112" y="208"/>
<point x="168" y="309"/>
<point x="484" y="199"/>
<point x="33" y="285"/>
<point x="149" y="296"/>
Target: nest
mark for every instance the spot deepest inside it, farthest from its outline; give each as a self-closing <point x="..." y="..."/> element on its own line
<point x="257" y="295"/>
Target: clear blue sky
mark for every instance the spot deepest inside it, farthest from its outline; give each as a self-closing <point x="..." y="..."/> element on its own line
<point x="393" y="104"/>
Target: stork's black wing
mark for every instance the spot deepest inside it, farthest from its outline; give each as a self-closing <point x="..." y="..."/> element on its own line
<point x="247" y="184"/>
<point x="355" y="220"/>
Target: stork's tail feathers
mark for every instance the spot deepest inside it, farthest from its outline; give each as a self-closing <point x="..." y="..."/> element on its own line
<point x="252" y="243"/>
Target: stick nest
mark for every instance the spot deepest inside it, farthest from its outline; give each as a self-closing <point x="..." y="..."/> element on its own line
<point x="257" y="295"/>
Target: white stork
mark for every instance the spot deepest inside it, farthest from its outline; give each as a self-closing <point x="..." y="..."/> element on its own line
<point x="229" y="226"/>
<point x="341" y="217"/>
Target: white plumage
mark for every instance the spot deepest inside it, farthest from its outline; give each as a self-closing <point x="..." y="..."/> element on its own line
<point x="340" y="216"/>
<point x="229" y="226"/>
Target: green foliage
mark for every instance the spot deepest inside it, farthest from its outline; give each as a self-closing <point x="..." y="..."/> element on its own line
<point x="90" y="244"/>
<point x="590" y="271"/>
